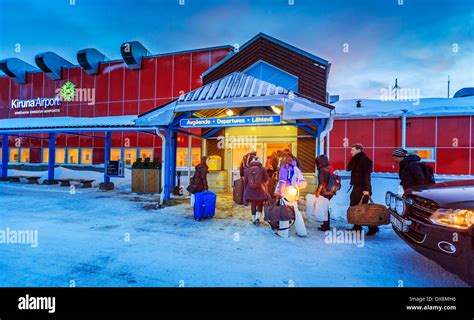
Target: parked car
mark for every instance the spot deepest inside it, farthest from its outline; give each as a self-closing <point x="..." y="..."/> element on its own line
<point x="438" y="221"/>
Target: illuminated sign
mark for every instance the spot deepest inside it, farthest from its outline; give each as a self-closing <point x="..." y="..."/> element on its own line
<point x="34" y="103"/>
<point x="229" y="121"/>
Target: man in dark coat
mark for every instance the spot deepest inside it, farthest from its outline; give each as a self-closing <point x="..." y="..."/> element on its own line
<point x="360" y="167"/>
<point x="324" y="175"/>
<point x="410" y="171"/>
<point x="256" y="192"/>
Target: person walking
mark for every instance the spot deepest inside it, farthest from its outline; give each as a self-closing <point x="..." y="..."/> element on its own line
<point x="360" y="167"/>
<point x="245" y="163"/>
<point x="324" y="176"/>
<point x="256" y="189"/>
<point x="410" y="169"/>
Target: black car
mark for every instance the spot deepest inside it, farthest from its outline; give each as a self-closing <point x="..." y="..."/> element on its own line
<point x="437" y="220"/>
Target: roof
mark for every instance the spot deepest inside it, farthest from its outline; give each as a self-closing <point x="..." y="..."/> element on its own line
<point x="238" y="90"/>
<point x="386" y="109"/>
<point x="274" y="40"/>
<point x="464" y="92"/>
<point x="17" y="124"/>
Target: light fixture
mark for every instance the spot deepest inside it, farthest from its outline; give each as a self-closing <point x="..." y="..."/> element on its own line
<point x="229" y="112"/>
<point x="458" y="218"/>
<point x="276" y="109"/>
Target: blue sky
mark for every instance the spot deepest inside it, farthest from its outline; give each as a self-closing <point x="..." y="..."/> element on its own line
<point x="412" y="42"/>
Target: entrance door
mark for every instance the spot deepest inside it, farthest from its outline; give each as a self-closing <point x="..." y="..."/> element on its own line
<point x="264" y="150"/>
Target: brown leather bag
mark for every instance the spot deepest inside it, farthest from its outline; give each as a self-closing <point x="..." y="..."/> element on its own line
<point x="275" y="211"/>
<point x="370" y="214"/>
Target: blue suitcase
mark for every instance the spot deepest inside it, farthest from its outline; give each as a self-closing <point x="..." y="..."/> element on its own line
<point x="204" y="205"/>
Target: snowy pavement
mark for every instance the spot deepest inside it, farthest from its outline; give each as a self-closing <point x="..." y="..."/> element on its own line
<point x="94" y="238"/>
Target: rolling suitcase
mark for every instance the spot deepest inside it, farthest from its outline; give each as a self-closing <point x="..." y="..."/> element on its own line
<point x="238" y="193"/>
<point x="204" y="205"/>
<point x="368" y="214"/>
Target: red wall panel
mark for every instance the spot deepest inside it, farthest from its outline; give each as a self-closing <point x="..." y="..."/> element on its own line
<point x="72" y="140"/>
<point x="181" y="74"/>
<point x="200" y="62"/>
<point x="453" y="130"/>
<point x="360" y="131"/>
<point x="98" y="156"/>
<point x="337" y="158"/>
<point x="421" y="132"/>
<point x="130" y="107"/>
<point x="145" y="140"/>
<point x="147" y="78"/>
<point x="4" y="96"/>
<point x="116" y="139"/>
<point x="164" y="77"/>
<point x="383" y="161"/>
<point x="37" y="85"/>
<point x="101" y="109"/>
<point x="388" y="133"/>
<point x="452" y="161"/>
<point x="35" y="155"/>
<point x="338" y="134"/>
<point x="146" y="105"/>
<point x="102" y="84"/>
<point x="132" y="78"/>
<point x="130" y="138"/>
<point x="116" y="74"/>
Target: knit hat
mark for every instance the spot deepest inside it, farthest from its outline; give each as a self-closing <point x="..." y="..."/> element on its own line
<point x="400" y="152"/>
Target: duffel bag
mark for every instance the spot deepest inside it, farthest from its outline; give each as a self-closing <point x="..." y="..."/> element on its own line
<point x="368" y="214"/>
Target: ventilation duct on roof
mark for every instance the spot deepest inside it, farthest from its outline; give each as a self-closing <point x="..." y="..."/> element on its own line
<point x="16" y="69"/>
<point x="132" y="53"/>
<point x="90" y="59"/>
<point x="51" y="64"/>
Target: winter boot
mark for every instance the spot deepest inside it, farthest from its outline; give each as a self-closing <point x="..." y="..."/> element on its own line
<point x="258" y="218"/>
<point x="253" y="219"/>
<point x="356" y="228"/>
<point x="372" y="231"/>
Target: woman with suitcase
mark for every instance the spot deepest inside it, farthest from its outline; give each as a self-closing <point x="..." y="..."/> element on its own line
<point x="256" y="192"/>
<point x="198" y="182"/>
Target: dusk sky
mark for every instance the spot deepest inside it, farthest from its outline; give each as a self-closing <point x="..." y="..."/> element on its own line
<point x="420" y="42"/>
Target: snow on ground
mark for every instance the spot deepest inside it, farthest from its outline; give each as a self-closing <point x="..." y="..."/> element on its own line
<point x="82" y="238"/>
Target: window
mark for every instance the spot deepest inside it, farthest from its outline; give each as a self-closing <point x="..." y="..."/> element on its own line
<point x="86" y="156"/>
<point x="146" y="153"/>
<point x="73" y="156"/>
<point x="130" y="156"/>
<point x="182" y="157"/>
<point x="24" y="155"/>
<point x="45" y="155"/>
<point x="115" y="154"/>
<point x="426" y="154"/>
<point x="60" y="155"/>
<point x="1" y="155"/>
<point x="13" y="155"/>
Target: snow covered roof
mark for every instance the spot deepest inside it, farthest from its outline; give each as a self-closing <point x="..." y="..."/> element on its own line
<point x="17" y="124"/>
<point x="386" y="109"/>
<point x="234" y="91"/>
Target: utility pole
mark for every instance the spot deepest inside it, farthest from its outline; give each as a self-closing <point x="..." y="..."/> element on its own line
<point x="449" y="82"/>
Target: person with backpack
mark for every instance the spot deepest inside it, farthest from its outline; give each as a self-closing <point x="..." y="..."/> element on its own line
<point x="412" y="172"/>
<point x="256" y="192"/>
<point x="328" y="184"/>
<point x="245" y="163"/>
<point x="360" y="167"/>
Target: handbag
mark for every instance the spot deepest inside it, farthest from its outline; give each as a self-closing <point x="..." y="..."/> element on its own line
<point x="317" y="208"/>
<point x="368" y="214"/>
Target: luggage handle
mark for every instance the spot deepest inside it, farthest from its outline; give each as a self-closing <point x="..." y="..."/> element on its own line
<point x="362" y="199"/>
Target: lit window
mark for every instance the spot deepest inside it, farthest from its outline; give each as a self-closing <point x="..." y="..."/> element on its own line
<point x="426" y="154"/>
<point x="115" y="154"/>
<point x="182" y="157"/>
<point x="45" y="155"/>
<point x="130" y="156"/>
<point x="13" y="155"/>
<point x="24" y="155"/>
<point x="73" y="156"/>
<point x="146" y="153"/>
<point x="0" y="155"/>
<point x="86" y="156"/>
<point x="60" y="155"/>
